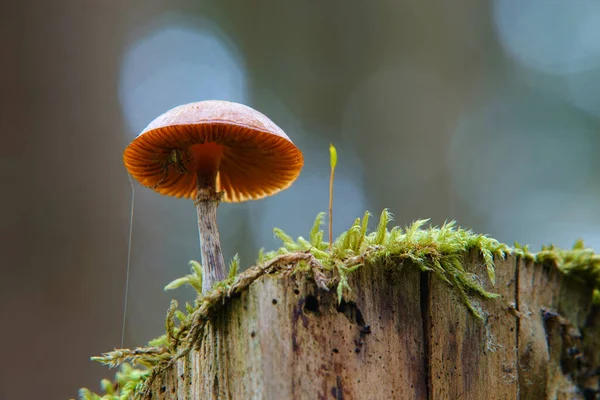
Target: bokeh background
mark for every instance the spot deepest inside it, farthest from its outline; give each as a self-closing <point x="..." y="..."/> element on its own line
<point x="487" y="112"/>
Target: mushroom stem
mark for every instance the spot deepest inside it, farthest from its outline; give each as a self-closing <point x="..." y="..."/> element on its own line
<point x="207" y="201"/>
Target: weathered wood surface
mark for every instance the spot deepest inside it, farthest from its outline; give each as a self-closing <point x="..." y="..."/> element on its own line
<point x="401" y="334"/>
<point x="468" y="358"/>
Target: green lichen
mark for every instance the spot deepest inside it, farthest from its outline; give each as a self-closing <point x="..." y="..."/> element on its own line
<point x="437" y="250"/>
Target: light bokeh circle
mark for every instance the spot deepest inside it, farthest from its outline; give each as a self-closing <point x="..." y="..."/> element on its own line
<point x="177" y="60"/>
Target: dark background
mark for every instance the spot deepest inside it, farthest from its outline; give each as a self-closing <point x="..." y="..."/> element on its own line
<point x="484" y="112"/>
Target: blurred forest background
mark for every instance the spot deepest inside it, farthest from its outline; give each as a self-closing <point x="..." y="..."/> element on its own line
<point x="487" y="112"/>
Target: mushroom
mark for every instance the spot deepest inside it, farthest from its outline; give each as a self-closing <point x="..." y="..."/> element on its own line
<point x="213" y="151"/>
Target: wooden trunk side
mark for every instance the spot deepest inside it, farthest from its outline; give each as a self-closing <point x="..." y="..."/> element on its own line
<point x="472" y="359"/>
<point x="553" y="309"/>
<point x="286" y="339"/>
<point x="399" y="334"/>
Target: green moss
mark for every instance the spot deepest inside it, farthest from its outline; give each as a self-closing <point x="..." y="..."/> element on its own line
<point x="437" y="250"/>
<point x="128" y="381"/>
<point x="580" y="262"/>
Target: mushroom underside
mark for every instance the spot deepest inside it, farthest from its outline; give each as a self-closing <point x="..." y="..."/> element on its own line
<point x="253" y="164"/>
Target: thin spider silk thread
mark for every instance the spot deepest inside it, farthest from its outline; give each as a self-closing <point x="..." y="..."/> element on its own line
<point x="128" y="259"/>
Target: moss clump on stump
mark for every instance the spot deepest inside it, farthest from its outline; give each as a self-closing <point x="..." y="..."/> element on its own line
<point x="440" y="251"/>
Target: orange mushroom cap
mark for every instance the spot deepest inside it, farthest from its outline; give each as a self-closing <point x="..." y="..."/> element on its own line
<point x="254" y="157"/>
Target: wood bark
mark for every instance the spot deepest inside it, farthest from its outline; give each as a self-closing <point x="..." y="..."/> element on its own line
<point x="400" y="334"/>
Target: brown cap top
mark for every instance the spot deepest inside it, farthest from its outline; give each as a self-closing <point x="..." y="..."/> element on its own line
<point x="255" y="158"/>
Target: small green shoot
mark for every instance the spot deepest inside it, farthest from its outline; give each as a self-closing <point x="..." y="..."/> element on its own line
<point x="333" y="163"/>
<point x="194" y="279"/>
<point x="234" y="267"/>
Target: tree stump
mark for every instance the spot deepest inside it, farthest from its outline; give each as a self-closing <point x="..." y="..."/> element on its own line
<point x="399" y="334"/>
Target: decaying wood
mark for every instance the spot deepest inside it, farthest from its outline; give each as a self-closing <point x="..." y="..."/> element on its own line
<point x="553" y="312"/>
<point x="400" y="334"/>
<point x="469" y="358"/>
